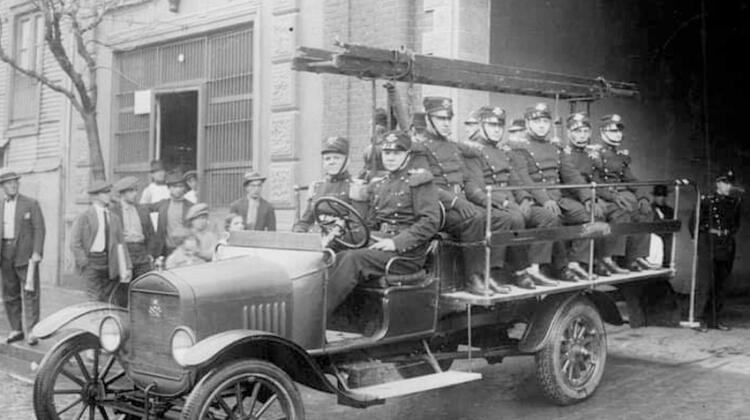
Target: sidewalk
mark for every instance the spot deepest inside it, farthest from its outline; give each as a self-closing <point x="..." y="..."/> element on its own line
<point x="53" y="298"/>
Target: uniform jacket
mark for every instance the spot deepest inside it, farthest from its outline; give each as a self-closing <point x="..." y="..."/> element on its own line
<point x="332" y="186"/>
<point x="29" y="226"/>
<point x="159" y="244"/>
<point x="266" y="216"/>
<point x="721" y="213"/>
<point x="84" y="233"/>
<point x="587" y="164"/>
<point x="616" y="168"/>
<point x="148" y="229"/>
<point x="539" y="163"/>
<point x="404" y="203"/>
<point x="491" y="165"/>
<point x="444" y="159"/>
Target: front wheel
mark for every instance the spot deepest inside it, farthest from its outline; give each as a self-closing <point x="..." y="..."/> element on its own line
<point x="570" y="366"/>
<point x="246" y="389"/>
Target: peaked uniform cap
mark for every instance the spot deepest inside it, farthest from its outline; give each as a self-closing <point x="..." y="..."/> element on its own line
<point x="613" y="119"/>
<point x="335" y="145"/>
<point x="486" y="113"/>
<point x="578" y="120"/>
<point x="434" y="104"/>
<point x="396" y="140"/>
<point x="517" y="125"/>
<point x="540" y="110"/>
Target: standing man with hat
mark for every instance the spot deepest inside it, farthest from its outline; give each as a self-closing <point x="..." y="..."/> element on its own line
<point x="256" y="212"/>
<point x="22" y="233"/>
<point x="95" y="236"/>
<point x="337" y="183"/>
<point x="403" y="215"/>
<point x="538" y="163"/>
<point x="719" y="222"/>
<point x="137" y="230"/>
<point x="171" y="215"/>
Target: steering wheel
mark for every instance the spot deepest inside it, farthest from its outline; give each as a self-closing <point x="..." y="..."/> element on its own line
<point x="339" y="218"/>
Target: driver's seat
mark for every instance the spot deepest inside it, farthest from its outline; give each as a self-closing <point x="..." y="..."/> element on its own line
<point x="409" y="279"/>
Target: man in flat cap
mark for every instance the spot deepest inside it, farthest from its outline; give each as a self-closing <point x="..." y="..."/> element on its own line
<point x="337" y="182"/>
<point x="257" y="213"/>
<point x="171" y="215"/>
<point x="403" y="215"/>
<point x="585" y="159"/>
<point x="444" y="158"/>
<point x="22" y="233"/>
<point x="96" y="235"/>
<point x="720" y="214"/>
<point x="492" y="167"/>
<point x="537" y="161"/>
<point x="137" y="230"/>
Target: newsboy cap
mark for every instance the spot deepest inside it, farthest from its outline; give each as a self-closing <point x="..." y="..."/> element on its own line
<point x="335" y="145"/>
<point x="99" y="186"/>
<point x="434" y="104"/>
<point x="127" y="183"/>
<point x="252" y="176"/>
<point x="196" y="210"/>
<point x="8" y="175"/>
<point x="174" y="178"/>
<point x="190" y="174"/>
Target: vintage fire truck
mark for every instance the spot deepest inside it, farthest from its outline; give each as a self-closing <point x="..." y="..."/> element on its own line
<point x="230" y="339"/>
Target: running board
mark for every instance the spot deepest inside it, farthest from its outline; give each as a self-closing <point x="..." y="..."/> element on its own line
<point x="415" y="385"/>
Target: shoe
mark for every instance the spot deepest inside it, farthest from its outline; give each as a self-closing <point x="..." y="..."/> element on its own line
<point x="701" y="328"/>
<point x="581" y="272"/>
<point x="475" y="286"/>
<point x="496" y="287"/>
<point x="524" y="281"/>
<point x="635" y="267"/>
<point x="568" y="275"/>
<point x="540" y="279"/>
<point x="721" y="327"/>
<point x="14" y="336"/>
<point x="645" y="264"/>
<point x="601" y="270"/>
<point x="32" y="341"/>
<point x="612" y="266"/>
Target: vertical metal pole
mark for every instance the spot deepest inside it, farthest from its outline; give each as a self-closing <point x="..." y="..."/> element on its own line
<point x="696" y="232"/>
<point x="487" y="237"/>
<point x="673" y="251"/>
<point x="592" y="242"/>
<point x="468" y="318"/>
<point x="374" y="106"/>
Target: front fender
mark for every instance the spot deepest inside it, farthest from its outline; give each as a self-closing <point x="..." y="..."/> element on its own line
<point x="227" y="346"/>
<point x="83" y="316"/>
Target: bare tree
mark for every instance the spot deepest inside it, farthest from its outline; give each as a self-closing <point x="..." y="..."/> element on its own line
<point x="70" y="35"/>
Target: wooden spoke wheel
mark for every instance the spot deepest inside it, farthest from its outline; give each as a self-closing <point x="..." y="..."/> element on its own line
<point x="245" y="390"/>
<point x="76" y="378"/>
<point x="570" y="366"/>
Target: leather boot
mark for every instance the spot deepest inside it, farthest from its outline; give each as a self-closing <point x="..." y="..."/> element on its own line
<point x="613" y="267"/>
<point x="540" y="279"/>
<point x="600" y="269"/>
<point x="568" y="275"/>
<point x="644" y="264"/>
<point x="523" y="280"/>
<point x="476" y="286"/>
<point x="496" y="287"/>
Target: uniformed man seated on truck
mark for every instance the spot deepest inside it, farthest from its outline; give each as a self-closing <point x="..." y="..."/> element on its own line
<point x="402" y="211"/>
<point x="337" y="182"/>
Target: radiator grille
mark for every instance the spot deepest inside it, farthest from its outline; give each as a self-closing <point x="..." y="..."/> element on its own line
<point x="153" y="318"/>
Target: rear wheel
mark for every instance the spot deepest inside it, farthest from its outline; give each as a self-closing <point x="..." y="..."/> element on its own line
<point x="570" y="366"/>
<point x="76" y="378"/>
<point x="245" y="390"/>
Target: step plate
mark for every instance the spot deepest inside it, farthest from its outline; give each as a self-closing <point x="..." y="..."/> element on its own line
<point x="418" y="384"/>
<point x="516" y="293"/>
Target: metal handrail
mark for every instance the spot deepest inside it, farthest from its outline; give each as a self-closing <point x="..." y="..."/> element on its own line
<point x="676" y="183"/>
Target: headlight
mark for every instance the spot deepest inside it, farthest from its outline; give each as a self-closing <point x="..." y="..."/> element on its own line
<point x="110" y="334"/>
<point x="182" y="339"/>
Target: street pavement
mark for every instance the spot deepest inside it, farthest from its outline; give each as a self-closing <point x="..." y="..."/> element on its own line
<point x="652" y="373"/>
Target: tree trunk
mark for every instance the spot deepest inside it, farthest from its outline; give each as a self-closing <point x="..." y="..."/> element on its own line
<point x="96" y="160"/>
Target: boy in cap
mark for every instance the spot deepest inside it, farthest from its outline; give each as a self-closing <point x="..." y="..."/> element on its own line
<point x="257" y="213"/>
<point x="492" y="167"/>
<point x="191" y="179"/>
<point x="337" y="183"/>
<point x="22" y="234"/>
<point x="171" y="214"/>
<point x="720" y="214"/>
<point x="537" y="161"/>
<point x="96" y="234"/>
<point x="444" y="158"/>
<point x="616" y="168"/>
<point x="157" y="190"/>
<point x="200" y="227"/>
<point x="585" y="159"/>
<point x="403" y="215"/>
<point x="137" y="230"/>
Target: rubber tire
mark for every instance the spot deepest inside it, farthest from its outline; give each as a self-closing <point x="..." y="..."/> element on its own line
<point x="49" y="364"/>
<point x="549" y="376"/>
<point x="203" y="390"/>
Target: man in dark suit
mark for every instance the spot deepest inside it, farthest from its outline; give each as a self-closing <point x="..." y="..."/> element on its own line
<point x="137" y="229"/>
<point x="96" y="234"/>
<point x="22" y="233"/>
<point x="171" y="216"/>
<point x="257" y="213"/>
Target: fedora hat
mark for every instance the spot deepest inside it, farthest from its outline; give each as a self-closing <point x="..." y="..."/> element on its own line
<point x="8" y="175"/>
<point x="252" y="176"/>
